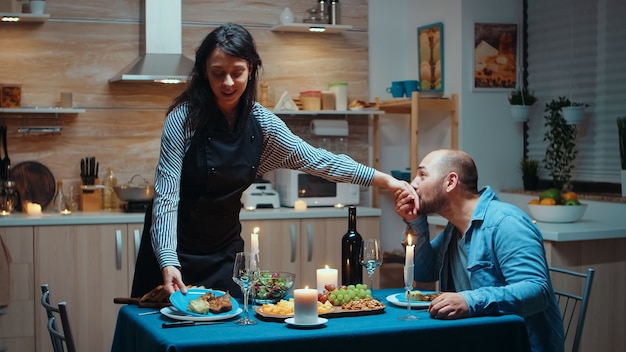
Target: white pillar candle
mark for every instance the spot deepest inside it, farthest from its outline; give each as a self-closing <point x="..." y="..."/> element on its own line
<point x="408" y="262"/>
<point x="326" y="276"/>
<point x="33" y="209"/>
<point x="254" y="241"/>
<point x="299" y="205"/>
<point x="305" y="306"/>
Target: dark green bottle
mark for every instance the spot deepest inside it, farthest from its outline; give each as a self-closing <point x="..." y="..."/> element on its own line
<point x="351" y="270"/>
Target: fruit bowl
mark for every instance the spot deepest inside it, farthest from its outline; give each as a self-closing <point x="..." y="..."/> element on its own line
<point x="272" y="286"/>
<point x="557" y="213"/>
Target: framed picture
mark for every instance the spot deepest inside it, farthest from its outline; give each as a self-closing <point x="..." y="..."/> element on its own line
<point x="430" y="57"/>
<point x="495" y="56"/>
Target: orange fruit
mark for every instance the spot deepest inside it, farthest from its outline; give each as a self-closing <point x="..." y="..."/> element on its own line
<point x="548" y="201"/>
<point x="570" y="196"/>
<point x="534" y="201"/>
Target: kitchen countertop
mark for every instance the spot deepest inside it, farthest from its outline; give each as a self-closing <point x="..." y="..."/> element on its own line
<point x="108" y="217"/>
<point x="602" y="220"/>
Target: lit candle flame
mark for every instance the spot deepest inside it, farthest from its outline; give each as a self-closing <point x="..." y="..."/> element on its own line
<point x="408" y="239"/>
<point x="255" y="230"/>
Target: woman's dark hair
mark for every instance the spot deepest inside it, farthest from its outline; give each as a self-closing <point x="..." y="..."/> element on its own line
<point x="233" y="40"/>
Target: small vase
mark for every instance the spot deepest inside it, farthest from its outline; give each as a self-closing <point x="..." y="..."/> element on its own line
<point x="37" y="7"/>
<point x="573" y="114"/>
<point x="623" y="183"/>
<point x="286" y="17"/>
<point x="530" y="183"/>
<point x="520" y="112"/>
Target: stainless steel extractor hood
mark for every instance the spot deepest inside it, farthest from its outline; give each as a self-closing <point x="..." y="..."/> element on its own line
<point x="163" y="60"/>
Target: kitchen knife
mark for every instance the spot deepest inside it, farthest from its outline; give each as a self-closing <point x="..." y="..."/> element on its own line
<point x="181" y="324"/>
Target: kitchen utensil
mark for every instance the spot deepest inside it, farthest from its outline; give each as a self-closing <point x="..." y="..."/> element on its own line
<point x="34" y="182"/>
<point x="135" y="192"/>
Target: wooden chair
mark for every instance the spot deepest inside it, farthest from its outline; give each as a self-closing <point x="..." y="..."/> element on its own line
<point x="573" y="305"/>
<point x="58" y="337"/>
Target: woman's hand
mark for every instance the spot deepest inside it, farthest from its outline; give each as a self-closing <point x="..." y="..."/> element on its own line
<point x="172" y="280"/>
<point x="401" y="190"/>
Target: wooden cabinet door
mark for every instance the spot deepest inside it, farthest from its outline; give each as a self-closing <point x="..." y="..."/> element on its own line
<point x="279" y="243"/>
<point x="134" y="239"/>
<point x="86" y="266"/>
<point x="17" y="331"/>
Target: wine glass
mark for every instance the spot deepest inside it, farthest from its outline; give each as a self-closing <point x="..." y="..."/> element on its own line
<point x="246" y="274"/>
<point x="371" y="258"/>
<point x="408" y="286"/>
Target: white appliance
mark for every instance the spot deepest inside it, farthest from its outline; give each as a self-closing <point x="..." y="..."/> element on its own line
<point x="260" y="195"/>
<point x="315" y="191"/>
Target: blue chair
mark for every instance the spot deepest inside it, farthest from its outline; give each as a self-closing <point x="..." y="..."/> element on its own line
<point x="572" y="304"/>
<point x="58" y="337"/>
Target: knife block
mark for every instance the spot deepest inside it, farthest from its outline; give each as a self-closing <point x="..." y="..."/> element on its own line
<point x="91" y="200"/>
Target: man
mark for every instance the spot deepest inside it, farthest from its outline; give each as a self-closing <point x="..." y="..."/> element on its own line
<point x="490" y="257"/>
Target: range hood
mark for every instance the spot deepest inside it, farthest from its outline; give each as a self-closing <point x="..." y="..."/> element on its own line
<point x="163" y="61"/>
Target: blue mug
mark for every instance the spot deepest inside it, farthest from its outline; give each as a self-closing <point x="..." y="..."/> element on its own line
<point x="396" y="89"/>
<point x="411" y="86"/>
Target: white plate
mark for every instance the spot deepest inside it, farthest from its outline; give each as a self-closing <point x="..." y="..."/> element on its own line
<point x="399" y="299"/>
<point x="173" y="313"/>
<point x="320" y="321"/>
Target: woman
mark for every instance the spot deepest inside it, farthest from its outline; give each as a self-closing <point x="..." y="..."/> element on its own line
<point x="216" y="141"/>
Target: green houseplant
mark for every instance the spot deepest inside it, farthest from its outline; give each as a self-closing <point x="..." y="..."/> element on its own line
<point x="520" y="101"/>
<point x="530" y="173"/>
<point x="561" y="151"/>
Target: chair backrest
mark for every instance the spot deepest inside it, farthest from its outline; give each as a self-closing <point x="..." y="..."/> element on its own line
<point x="58" y="337"/>
<point x="573" y="305"/>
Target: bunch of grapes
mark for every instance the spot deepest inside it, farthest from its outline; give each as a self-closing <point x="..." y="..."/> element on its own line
<point x="345" y="294"/>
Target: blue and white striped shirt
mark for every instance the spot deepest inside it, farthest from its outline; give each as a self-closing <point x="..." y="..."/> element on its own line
<point x="281" y="150"/>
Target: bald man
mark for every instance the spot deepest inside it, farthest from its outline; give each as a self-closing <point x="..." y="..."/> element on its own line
<point x="489" y="259"/>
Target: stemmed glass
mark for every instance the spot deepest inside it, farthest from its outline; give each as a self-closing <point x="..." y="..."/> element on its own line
<point x="246" y="274"/>
<point x="408" y="286"/>
<point x="371" y="258"/>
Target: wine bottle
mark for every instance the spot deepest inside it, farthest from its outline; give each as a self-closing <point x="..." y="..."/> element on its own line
<point x="351" y="270"/>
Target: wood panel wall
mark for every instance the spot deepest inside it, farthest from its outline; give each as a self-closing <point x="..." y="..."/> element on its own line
<point x="86" y="42"/>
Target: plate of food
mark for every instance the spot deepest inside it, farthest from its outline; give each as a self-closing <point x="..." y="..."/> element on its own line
<point x="419" y="299"/>
<point x="203" y="303"/>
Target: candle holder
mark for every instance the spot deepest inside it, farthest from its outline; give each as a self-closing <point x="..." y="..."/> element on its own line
<point x="408" y="286"/>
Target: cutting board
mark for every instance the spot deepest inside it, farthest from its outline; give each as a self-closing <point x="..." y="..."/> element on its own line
<point x="34" y="182"/>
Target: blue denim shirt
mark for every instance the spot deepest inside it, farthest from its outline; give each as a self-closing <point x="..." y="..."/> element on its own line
<point x="507" y="268"/>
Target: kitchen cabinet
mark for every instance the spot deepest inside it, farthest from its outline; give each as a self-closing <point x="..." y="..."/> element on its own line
<point x="415" y="106"/>
<point x="87" y="266"/>
<point x="302" y="246"/>
<point x="17" y="330"/>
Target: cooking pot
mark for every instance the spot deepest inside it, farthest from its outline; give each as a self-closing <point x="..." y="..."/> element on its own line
<point x="135" y="192"/>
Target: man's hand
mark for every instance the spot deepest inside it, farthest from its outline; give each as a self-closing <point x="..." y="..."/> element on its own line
<point x="449" y="305"/>
<point x="172" y="280"/>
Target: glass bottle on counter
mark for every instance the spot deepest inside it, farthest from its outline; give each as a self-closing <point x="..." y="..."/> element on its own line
<point x="109" y="199"/>
<point x="59" y="199"/>
<point x="351" y="270"/>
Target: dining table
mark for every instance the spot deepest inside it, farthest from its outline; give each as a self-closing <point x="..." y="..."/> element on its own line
<point x="138" y="329"/>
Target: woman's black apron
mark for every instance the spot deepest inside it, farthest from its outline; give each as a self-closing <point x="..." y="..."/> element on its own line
<point x="217" y="168"/>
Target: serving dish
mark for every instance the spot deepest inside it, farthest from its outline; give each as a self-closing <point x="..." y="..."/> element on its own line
<point x="557" y="213"/>
<point x="173" y="313"/>
<point x="336" y="312"/>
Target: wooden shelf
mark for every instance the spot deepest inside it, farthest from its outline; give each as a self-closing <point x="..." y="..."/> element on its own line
<point x="328" y="112"/>
<point x="306" y="28"/>
<point x="42" y="110"/>
<point x="8" y="17"/>
<point x="414" y="106"/>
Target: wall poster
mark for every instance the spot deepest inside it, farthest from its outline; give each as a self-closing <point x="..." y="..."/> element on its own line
<point x="495" y="56"/>
<point x="430" y="57"/>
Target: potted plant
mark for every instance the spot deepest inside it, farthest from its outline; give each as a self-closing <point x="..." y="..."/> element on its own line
<point x="573" y="112"/>
<point x="520" y="101"/>
<point x="560" y="152"/>
<point x="621" y="130"/>
<point x="530" y="173"/>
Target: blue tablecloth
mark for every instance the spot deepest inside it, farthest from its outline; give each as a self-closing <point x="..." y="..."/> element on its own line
<point x="356" y="333"/>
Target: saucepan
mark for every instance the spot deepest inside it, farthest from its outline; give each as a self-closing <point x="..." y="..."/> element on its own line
<point x="135" y="191"/>
<point x="130" y="192"/>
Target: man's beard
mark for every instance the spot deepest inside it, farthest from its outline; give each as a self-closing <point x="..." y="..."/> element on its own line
<point x="434" y="204"/>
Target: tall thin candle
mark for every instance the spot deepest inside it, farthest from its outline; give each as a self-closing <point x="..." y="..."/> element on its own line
<point x="408" y="262"/>
<point x="254" y="241"/>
